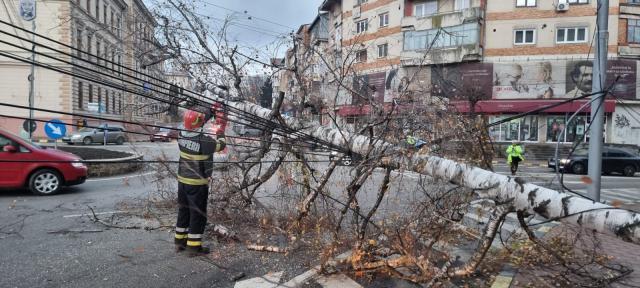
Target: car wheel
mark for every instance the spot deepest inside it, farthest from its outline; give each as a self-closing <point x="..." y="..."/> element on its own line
<point x="120" y="140"/>
<point x="578" y="168"/>
<point x="87" y="141"/>
<point x="629" y="171"/>
<point x="45" y="182"/>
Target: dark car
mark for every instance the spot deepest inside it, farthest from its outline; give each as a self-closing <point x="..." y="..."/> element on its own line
<point x="165" y="135"/>
<point x="44" y="171"/>
<point x="614" y="160"/>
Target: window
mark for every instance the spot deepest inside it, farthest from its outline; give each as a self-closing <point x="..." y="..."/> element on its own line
<point x="98" y="55"/>
<point x="633" y="30"/>
<point x="104" y="13"/>
<point x="113" y="102"/>
<point x="462" y="4"/>
<point x="633" y="1"/>
<point x="465" y="34"/>
<point x="89" y="48"/>
<point x="119" y="26"/>
<point x="578" y="1"/>
<point x="358" y="2"/>
<point x="524" y="36"/>
<point x="383" y="50"/>
<point x="384" y="19"/>
<point x="362" y="26"/>
<point x="80" y="95"/>
<point x="90" y="93"/>
<point x="523" y="129"/>
<point x="89" y="6"/>
<point x="571" y="35"/>
<point x="99" y="100"/>
<point x="119" y="103"/>
<point x="106" y="100"/>
<point x="111" y="22"/>
<point x="98" y="10"/>
<point x="79" y="43"/>
<point x="525" y="3"/>
<point x="425" y="8"/>
<point x="361" y="56"/>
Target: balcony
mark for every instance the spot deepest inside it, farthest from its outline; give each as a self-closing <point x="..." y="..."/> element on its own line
<point x="432" y="46"/>
<point x="444" y="19"/>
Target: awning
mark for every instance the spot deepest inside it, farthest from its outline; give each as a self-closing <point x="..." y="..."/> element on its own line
<point x="520" y="106"/>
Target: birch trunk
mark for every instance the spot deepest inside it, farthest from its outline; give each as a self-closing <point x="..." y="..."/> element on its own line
<point x="531" y="198"/>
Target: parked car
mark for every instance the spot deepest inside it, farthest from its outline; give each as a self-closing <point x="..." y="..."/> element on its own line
<point x="40" y="172"/>
<point x="87" y="136"/>
<point x="165" y="135"/>
<point x="347" y="160"/>
<point x="244" y="130"/>
<point x="614" y="160"/>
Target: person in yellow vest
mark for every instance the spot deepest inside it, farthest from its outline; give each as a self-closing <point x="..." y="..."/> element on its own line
<point x="514" y="156"/>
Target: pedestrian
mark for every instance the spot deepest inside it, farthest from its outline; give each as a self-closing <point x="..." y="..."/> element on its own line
<point x="194" y="173"/>
<point x="514" y="156"/>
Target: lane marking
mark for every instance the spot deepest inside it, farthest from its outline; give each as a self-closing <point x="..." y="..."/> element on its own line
<point x="121" y="177"/>
<point x="91" y="214"/>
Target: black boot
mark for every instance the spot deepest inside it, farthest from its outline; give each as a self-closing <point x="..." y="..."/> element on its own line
<point x="194" y="251"/>
<point x="180" y="244"/>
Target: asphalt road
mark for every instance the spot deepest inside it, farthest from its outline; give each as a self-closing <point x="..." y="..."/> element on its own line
<point x="48" y="242"/>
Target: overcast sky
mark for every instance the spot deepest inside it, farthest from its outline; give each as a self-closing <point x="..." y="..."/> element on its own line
<point x="260" y="22"/>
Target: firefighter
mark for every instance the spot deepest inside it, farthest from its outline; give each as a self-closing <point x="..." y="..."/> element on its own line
<point x="194" y="173"/>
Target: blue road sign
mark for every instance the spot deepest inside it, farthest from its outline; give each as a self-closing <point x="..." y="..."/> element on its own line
<point x="55" y="129"/>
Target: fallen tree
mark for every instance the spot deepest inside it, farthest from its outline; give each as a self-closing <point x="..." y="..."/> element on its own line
<point x="529" y="198"/>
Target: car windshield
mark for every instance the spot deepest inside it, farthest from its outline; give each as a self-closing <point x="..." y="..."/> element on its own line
<point x="86" y="129"/>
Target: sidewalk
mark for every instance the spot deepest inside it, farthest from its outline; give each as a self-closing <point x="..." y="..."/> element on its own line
<point x="624" y="253"/>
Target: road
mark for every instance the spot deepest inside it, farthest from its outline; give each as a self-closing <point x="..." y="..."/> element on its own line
<point x="51" y="242"/>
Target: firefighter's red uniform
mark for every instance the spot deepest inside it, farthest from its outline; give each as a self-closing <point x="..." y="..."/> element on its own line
<point x="194" y="169"/>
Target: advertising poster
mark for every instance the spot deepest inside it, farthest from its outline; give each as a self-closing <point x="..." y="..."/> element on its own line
<point x="462" y="82"/>
<point x="528" y="80"/>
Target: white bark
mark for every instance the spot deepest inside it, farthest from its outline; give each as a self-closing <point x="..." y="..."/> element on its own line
<point x="527" y="197"/>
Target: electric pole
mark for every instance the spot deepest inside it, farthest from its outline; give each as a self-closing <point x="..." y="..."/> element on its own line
<point x="597" y="105"/>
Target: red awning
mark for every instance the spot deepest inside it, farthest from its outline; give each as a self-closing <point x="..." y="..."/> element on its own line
<point x="519" y="106"/>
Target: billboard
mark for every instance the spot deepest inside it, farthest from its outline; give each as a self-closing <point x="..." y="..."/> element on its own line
<point x="462" y="81"/>
<point x="530" y="80"/>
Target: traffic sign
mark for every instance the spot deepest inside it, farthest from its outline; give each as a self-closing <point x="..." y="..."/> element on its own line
<point x="55" y="129"/>
<point x="29" y="125"/>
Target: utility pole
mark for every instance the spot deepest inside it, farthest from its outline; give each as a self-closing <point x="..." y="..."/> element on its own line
<point x="597" y="106"/>
<point x="32" y="77"/>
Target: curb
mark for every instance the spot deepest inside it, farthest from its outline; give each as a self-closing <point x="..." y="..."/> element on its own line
<point x="509" y="272"/>
<point x="107" y="167"/>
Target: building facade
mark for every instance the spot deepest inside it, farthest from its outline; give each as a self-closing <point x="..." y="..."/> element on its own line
<point x="496" y="58"/>
<point x="100" y="40"/>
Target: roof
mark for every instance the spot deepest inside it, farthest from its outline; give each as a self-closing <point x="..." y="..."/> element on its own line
<point x="146" y="12"/>
<point x="318" y="18"/>
<point x="326" y="4"/>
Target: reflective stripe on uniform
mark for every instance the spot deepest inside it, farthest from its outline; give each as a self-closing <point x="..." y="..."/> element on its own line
<point x="191" y="181"/>
<point x="194" y="243"/>
<point x="193" y="157"/>
<point x="178" y="229"/>
<point x="181" y="236"/>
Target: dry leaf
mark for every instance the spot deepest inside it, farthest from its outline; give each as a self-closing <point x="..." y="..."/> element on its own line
<point x="586" y="180"/>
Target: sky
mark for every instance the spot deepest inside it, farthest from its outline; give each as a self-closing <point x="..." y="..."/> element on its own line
<point x="257" y="23"/>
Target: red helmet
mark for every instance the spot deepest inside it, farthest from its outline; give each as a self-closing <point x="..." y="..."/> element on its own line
<point x="193" y="120"/>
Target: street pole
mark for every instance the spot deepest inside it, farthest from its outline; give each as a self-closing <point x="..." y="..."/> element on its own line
<point x="32" y="77"/>
<point x="597" y="106"/>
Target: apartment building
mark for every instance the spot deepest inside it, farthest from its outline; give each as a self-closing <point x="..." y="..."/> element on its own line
<point x="105" y="34"/>
<point x="493" y="57"/>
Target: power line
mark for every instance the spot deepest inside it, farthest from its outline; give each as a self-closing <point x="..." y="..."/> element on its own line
<point x="256" y="119"/>
<point x="245" y="13"/>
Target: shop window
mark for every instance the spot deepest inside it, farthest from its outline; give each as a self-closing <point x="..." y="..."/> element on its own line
<point x="522" y="129"/>
<point x="575" y="130"/>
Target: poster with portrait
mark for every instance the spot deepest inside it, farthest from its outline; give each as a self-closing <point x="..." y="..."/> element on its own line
<point x="528" y="80"/>
<point x="463" y="81"/>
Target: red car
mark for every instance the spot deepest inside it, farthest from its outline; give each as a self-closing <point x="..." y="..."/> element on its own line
<point x="44" y="171"/>
<point x="165" y="135"/>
